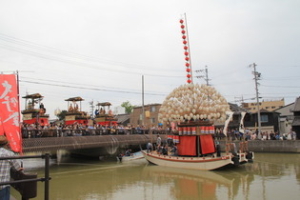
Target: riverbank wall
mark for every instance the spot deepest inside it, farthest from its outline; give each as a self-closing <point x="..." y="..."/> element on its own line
<point x="269" y="146"/>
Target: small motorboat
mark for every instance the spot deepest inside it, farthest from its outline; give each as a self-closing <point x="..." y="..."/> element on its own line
<point x="133" y="156"/>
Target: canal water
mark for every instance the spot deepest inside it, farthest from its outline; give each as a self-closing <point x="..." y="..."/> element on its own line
<point x="270" y="177"/>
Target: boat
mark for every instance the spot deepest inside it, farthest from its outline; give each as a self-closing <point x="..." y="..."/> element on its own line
<point x="32" y="114"/>
<point x="74" y="114"/>
<point x="198" y="150"/>
<point x="104" y="115"/>
<point x="133" y="156"/>
<point x="190" y="111"/>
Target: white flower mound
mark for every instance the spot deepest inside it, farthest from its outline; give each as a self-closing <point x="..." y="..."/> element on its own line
<point x="193" y="101"/>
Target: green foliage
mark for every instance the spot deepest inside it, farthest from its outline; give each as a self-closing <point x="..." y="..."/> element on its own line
<point x="128" y="107"/>
<point x="62" y="115"/>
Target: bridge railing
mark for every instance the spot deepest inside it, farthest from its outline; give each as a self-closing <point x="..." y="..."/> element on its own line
<point x="24" y="183"/>
<point x="57" y="132"/>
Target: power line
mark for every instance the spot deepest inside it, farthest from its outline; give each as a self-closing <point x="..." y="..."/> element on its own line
<point x="54" y="54"/>
<point x="85" y="88"/>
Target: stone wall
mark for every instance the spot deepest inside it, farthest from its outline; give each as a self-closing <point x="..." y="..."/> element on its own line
<point x="270" y="146"/>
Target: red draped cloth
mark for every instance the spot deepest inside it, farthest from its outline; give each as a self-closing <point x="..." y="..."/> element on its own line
<point x="187" y="146"/>
<point x="207" y="144"/>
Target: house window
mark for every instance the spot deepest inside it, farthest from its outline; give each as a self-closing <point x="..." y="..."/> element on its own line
<point x="152" y="120"/>
<point x="264" y="118"/>
<point x="152" y="109"/>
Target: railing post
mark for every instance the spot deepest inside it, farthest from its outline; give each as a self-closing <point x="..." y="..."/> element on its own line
<point x="47" y="177"/>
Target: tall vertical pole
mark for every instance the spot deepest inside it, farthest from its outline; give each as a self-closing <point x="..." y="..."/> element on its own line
<point x="256" y="78"/>
<point x="187" y="53"/>
<point x="143" y="108"/>
<point x="19" y="114"/>
<point x="188" y="42"/>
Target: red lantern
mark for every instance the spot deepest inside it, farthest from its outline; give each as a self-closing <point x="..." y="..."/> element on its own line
<point x="185" y="48"/>
<point x="186" y="53"/>
<point x="188" y="69"/>
<point x="187" y="64"/>
<point x="183" y="31"/>
<point x="182" y="26"/>
<point x="188" y="75"/>
<point x="184" y="37"/>
<point x="187" y="58"/>
<point x="181" y="21"/>
<point x="189" y="81"/>
<point x="184" y="41"/>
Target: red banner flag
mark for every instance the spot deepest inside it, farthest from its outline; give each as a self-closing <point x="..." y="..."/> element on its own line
<point x="9" y="111"/>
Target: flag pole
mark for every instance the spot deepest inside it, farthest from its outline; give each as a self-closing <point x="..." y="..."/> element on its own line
<point x="20" y="130"/>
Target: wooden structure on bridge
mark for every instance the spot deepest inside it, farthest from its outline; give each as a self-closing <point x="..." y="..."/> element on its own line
<point x="33" y="115"/>
<point x="75" y="114"/>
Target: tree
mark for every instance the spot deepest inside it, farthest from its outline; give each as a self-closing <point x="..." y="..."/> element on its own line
<point x="128" y="107"/>
<point x="61" y="115"/>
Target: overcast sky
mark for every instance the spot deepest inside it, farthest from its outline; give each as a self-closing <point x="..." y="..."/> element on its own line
<point x="100" y="49"/>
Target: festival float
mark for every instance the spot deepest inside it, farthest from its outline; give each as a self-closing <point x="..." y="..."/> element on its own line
<point x="191" y="110"/>
<point x="33" y="115"/>
<point x="75" y="115"/>
<point x="104" y="115"/>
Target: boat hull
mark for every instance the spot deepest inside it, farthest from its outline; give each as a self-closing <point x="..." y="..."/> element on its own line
<point x="134" y="156"/>
<point x="197" y="163"/>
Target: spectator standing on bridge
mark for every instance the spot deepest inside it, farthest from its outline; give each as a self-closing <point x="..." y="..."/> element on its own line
<point x="5" y="166"/>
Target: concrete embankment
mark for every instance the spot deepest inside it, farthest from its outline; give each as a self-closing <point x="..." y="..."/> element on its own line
<point x="270" y="146"/>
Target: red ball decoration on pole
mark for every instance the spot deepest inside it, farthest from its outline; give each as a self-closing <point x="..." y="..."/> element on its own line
<point x="183" y="26"/>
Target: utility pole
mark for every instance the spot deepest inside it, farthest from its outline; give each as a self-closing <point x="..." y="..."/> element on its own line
<point x="143" y="98"/>
<point x="92" y="107"/>
<point x="256" y="78"/>
<point x="205" y="76"/>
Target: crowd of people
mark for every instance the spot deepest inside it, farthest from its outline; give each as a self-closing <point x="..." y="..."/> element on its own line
<point x="62" y="130"/>
<point x="235" y="134"/>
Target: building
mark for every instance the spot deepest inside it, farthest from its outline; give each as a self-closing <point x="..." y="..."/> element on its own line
<point x="286" y="118"/>
<point x="150" y="117"/>
<point x="296" y="120"/>
<point x="265" y="105"/>
<point x="269" y="121"/>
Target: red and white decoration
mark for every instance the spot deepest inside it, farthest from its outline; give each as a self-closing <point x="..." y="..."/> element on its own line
<point x="9" y="111"/>
<point x="186" y="51"/>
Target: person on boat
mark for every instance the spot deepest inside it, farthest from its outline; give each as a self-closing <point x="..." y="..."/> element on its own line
<point x="164" y="150"/>
<point x="5" y="167"/>
<point x="158" y="142"/>
<point x="149" y="147"/>
<point x="174" y="151"/>
<point x="128" y="152"/>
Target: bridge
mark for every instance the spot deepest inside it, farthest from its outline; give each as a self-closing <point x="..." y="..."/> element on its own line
<point x="91" y="145"/>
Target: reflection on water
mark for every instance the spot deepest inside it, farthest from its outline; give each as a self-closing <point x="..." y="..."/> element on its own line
<point x="271" y="176"/>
